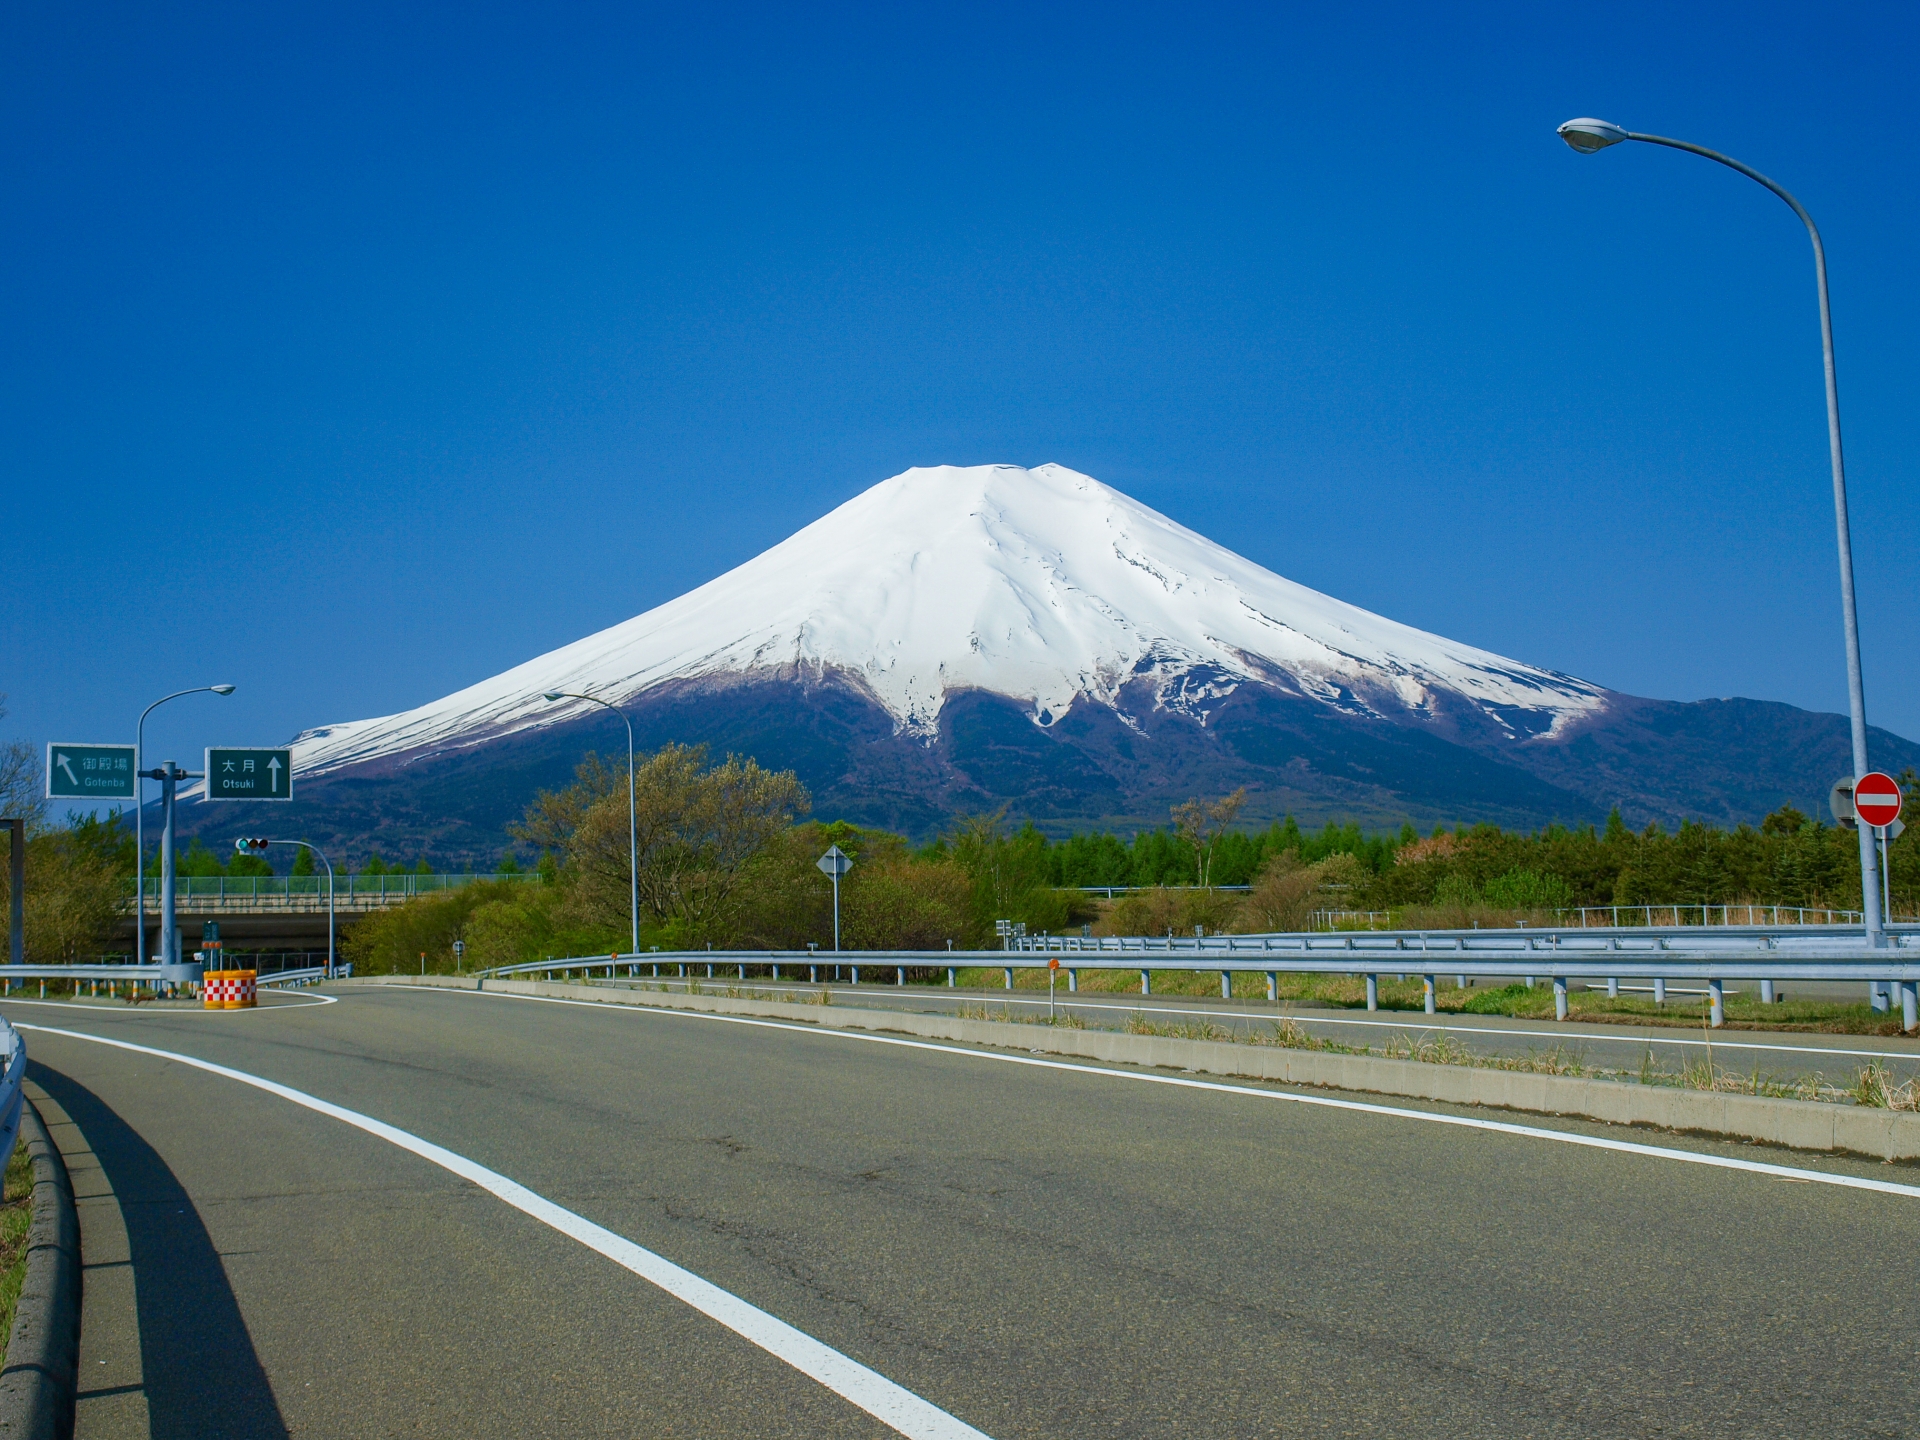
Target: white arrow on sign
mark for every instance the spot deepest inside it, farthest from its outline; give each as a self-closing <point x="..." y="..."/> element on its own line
<point x="61" y="761"/>
<point x="273" y="768"/>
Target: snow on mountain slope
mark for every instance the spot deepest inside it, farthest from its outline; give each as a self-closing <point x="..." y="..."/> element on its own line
<point x="1043" y="585"/>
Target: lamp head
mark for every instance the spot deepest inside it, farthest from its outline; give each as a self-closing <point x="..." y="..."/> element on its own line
<point x="1588" y="135"/>
<point x="221" y="689"/>
<point x="553" y="695"/>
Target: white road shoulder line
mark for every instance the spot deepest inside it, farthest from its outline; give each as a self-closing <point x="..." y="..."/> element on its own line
<point x="292" y="1002"/>
<point x="892" y="1404"/>
<point x="1500" y="1127"/>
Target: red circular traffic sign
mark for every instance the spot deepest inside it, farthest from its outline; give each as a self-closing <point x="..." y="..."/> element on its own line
<point x="1876" y="799"/>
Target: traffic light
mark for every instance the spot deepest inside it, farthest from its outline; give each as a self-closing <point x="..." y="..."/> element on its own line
<point x="251" y="845"/>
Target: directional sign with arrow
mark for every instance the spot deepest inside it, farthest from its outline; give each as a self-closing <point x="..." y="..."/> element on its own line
<point x="249" y="774"/>
<point x="90" y="772"/>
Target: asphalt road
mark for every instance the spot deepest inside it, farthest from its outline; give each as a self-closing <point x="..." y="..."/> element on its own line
<point x="1779" y="1056"/>
<point x="1037" y="1250"/>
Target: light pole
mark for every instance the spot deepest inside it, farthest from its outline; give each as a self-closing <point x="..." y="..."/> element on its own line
<point x="1589" y="136"/>
<point x="633" y="824"/>
<point x="254" y="847"/>
<point x="139" y="817"/>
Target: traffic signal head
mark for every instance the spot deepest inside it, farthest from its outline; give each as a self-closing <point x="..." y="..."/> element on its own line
<point x="251" y="845"/>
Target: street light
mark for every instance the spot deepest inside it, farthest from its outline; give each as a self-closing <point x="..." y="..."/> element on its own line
<point x="633" y="824"/>
<point x="1588" y="135"/>
<point x="139" y="821"/>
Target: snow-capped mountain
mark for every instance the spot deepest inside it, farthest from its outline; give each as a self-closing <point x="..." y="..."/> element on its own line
<point x="1043" y="586"/>
<point x="961" y="641"/>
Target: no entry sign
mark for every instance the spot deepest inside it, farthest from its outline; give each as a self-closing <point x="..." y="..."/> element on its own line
<point x="1876" y="799"/>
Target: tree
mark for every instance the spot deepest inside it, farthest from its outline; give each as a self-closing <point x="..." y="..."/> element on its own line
<point x="1011" y="876"/>
<point x="21" y="796"/>
<point x="303" y="862"/>
<point x="697" y="828"/>
<point x="1201" y="822"/>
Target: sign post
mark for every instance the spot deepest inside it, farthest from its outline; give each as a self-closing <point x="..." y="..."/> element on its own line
<point x="836" y="862"/>
<point x="90" y="772"/>
<point x="1053" y="974"/>
<point x="249" y="774"/>
<point x="1876" y="800"/>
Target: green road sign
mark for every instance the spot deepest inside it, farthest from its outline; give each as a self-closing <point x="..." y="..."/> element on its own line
<point x="249" y="774"/>
<point x="90" y="772"/>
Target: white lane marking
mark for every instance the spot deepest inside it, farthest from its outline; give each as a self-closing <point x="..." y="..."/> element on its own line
<point x="1498" y="1127"/>
<point x="891" y="1404"/>
<point x="1069" y="1002"/>
<point x="290" y="1003"/>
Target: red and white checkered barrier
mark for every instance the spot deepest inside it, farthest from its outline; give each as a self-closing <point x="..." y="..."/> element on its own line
<point x="230" y="989"/>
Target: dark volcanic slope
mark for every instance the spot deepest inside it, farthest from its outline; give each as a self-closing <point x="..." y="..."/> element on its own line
<point x="1721" y="760"/>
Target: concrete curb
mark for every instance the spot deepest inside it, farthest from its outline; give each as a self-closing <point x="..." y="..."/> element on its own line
<point x="37" y="1385"/>
<point x="1798" y="1124"/>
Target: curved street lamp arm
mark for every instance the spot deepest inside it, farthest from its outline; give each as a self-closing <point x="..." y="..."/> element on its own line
<point x="139" y="820"/>
<point x="633" y="811"/>
<point x="1856" y="686"/>
<point x="329" y="864"/>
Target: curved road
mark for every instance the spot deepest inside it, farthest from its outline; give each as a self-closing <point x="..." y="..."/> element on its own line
<point x="1034" y="1250"/>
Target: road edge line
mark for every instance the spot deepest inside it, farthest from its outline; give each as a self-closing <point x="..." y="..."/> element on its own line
<point x="887" y="1401"/>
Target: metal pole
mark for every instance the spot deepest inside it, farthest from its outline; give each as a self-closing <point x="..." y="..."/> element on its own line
<point x="1856" y="687"/>
<point x="633" y="822"/>
<point x="836" y="912"/>
<point x="17" y="892"/>
<point x="139" y="814"/>
<point x="169" y="784"/>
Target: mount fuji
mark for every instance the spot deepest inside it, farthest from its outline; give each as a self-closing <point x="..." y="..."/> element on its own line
<point x="957" y="639"/>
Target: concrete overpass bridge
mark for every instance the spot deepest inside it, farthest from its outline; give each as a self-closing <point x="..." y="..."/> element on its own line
<point x="281" y="912"/>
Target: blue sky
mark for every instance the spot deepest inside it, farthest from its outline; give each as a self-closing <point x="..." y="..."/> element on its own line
<point x="353" y="356"/>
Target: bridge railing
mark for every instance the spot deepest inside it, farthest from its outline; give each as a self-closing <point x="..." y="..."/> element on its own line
<point x="348" y="890"/>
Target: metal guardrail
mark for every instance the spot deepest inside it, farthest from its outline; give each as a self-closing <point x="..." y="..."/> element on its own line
<point x="1678" y="940"/>
<point x="1714" y="955"/>
<point x="307" y="976"/>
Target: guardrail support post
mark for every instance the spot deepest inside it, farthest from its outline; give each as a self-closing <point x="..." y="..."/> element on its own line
<point x="1226" y="985"/>
<point x="1429" y="980"/>
<point x="1717" y="1007"/>
<point x="900" y="974"/>
<point x="1559" y="997"/>
<point x="1273" y="986"/>
<point x="1909" y="1007"/>
<point x="856" y="973"/>
<point x="1459" y="982"/>
<point x="1877" y="996"/>
<point x="1766" y="992"/>
<point x="1613" y="987"/>
<point x="1146" y="982"/>
<point x="953" y="980"/>
<point x="1373" y="992"/>
<point x="1659" y="991"/>
<point x="1073" y="982"/>
<point x="1009" y="977"/>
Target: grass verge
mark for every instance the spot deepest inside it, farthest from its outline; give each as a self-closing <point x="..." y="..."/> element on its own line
<point x="16" y="1216"/>
<point x="1869" y="1086"/>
